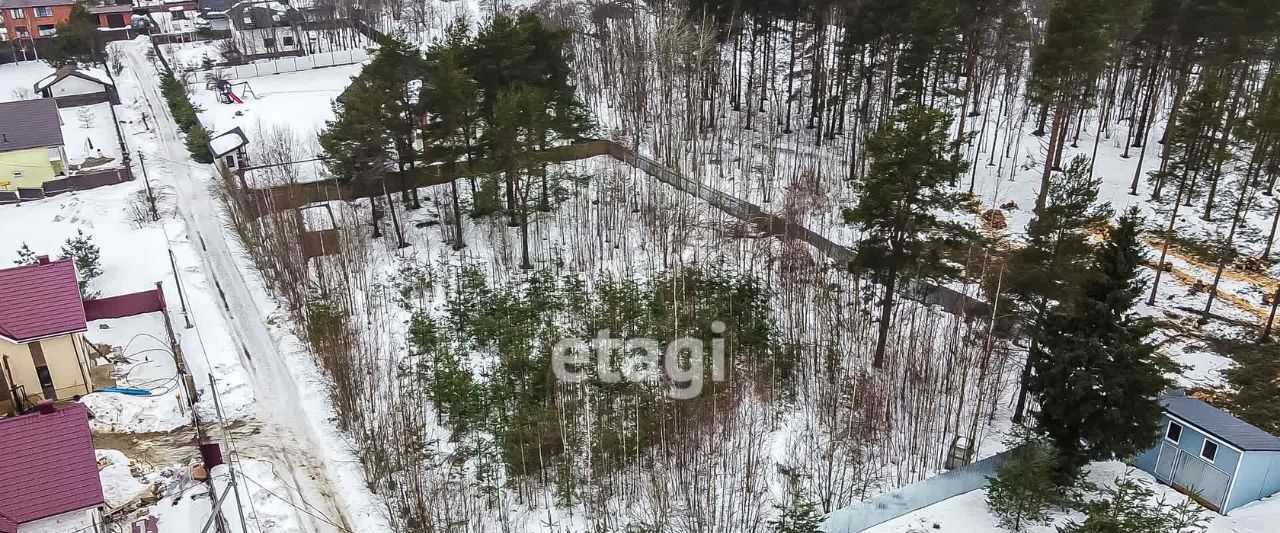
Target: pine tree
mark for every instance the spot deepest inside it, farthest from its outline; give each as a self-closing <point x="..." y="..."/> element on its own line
<point x="798" y="516"/>
<point x="394" y="73"/>
<point x="87" y="258"/>
<point x="1023" y="489"/>
<point x="451" y="99"/>
<point x="1057" y="253"/>
<point x="905" y="191"/>
<point x="1064" y="66"/>
<point x="356" y="144"/>
<point x="1098" y="380"/>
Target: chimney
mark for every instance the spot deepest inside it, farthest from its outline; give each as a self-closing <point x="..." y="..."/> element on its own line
<point x="42" y="259"/>
<point x="46" y="407"/>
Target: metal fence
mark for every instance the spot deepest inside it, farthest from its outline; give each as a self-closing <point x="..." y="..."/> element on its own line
<point x="291" y="64"/>
<point x="915" y="496"/>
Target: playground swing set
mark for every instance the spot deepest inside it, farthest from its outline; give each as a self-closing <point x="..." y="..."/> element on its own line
<point x="226" y="91"/>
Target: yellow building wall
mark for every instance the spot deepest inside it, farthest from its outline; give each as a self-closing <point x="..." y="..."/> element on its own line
<point x="63" y="355"/>
<point x="33" y="163"/>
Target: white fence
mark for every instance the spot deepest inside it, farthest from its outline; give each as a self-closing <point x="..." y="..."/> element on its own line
<point x="281" y="65"/>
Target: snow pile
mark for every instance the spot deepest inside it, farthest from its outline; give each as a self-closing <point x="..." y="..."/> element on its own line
<point x="119" y="487"/>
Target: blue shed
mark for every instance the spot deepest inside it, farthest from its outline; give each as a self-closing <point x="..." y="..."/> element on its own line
<point x="1224" y="461"/>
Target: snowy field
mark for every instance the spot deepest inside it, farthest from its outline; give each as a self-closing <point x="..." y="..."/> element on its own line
<point x="88" y="131"/>
<point x="192" y="55"/>
<point x="300" y="100"/>
<point x="17" y="79"/>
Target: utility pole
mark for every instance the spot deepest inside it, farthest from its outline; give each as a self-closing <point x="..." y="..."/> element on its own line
<point x="151" y="197"/>
<point x="178" y="283"/>
<point x="217" y="404"/>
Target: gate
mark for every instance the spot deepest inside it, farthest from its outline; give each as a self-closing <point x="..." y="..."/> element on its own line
<point x="1187" y="472"/>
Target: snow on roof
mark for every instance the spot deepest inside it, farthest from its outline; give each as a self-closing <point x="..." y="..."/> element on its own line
<point x="40" y="300"/>
<point x="64" y="73"/>
<point x="227" y="142"/>
<point x="1220" y="424"/>
<point x="47" y="466"/>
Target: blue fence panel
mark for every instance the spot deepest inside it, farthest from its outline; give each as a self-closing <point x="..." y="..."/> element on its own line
<point x="915" y="496"/>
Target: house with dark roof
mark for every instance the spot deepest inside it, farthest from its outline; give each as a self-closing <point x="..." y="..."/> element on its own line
<point x="1222" y="461"/>
<point x="71" y="87"/>
<point x="43" y="354"/>
<point x="31" y="145"/>
<point x="264" y="29"/>
<point x="49" y="473"/>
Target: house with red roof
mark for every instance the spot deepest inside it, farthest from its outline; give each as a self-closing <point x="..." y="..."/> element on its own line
<point x="49" y="473"/>
<point x="43" y="354"/>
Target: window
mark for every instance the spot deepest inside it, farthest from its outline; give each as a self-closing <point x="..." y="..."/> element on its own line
<point x="46" y="380"/>
<point x="269" y="42"/>
<point x="22" y="31"/>
<point x="1209" y="451"/>
<point x="1174" y="432"/>
<point x="288" y="41"/>
<point x="47" y="30"/>
<point x="42" y="12"/>
<point x="16" y="14"/>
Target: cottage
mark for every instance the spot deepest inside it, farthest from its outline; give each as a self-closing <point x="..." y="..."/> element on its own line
<point x="1223" y="461"/>
<point x="228" y="148"/>
<point x="264" y="29"/>
<point x="43" y="355"/>
<point x="31" y="144"/>
<point x="71" y="88"/>
<point x="49" y="473"/>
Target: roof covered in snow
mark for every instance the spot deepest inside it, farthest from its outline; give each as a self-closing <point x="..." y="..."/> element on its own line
<point x="47" y="466"/>
<point x="228" y="142"/>
<point x="41" y="300"/>
<point x="263" y="14"/>
<point x="29" y="124"/>
<point x="1220" y="424"/>
<point x="66" y="72"/>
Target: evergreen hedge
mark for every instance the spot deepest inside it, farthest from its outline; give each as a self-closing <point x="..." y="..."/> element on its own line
<point x="185" y="115"/>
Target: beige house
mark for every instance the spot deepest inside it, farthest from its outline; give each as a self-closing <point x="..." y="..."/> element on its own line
<point x="43" y="354"/>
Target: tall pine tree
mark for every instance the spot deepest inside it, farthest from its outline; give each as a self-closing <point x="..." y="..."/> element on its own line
<point x="899" y="207"/>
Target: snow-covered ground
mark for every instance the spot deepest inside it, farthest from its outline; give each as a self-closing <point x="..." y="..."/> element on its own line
<point x="89" y="131"/>
<point x="300" y="100"/>
<point x="17" y="79"/>
<point x="192" y="55"/>
<point x="968" y="512"/>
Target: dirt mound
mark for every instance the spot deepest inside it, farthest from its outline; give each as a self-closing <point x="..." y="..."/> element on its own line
<point x="993" y="219"/>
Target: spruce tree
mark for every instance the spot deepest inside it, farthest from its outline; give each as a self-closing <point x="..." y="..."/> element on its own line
<point x="1099" y="377"/>
<point x="1023" y="490"/>
<point x="26" y="256"/>
<point x="87" y="258"/>
<point x="899" y="207"/>
<point x="798" y="516"/>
